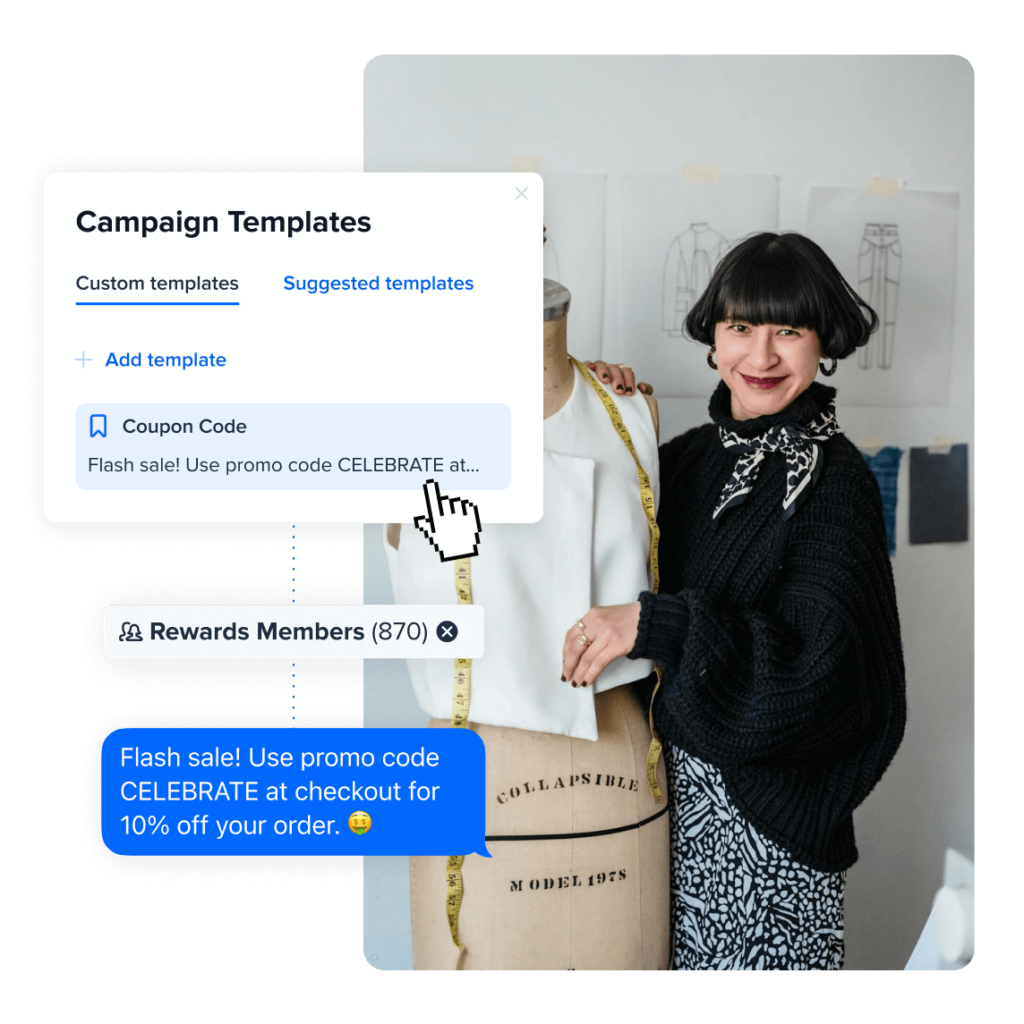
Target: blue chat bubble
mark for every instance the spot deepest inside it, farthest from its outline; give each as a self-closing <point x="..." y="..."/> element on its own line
<point x="292" y="792"/>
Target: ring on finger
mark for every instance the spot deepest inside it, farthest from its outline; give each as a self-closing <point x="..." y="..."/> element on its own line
<point x="580" y="626"/>
<point x="582" y="639"/>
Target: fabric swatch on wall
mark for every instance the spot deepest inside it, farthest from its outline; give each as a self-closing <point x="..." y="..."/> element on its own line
<point x="885" y="464"/>
<point x="938" y="495"/>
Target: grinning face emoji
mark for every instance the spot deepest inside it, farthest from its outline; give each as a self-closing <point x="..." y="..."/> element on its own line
<point x="359" y="822"/>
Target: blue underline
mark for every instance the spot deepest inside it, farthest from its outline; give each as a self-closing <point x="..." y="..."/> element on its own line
<point x="157" y="303"/>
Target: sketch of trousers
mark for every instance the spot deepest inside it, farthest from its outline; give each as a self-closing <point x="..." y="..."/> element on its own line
<point x="688" y="265"/>
<point x="878" y="281"/>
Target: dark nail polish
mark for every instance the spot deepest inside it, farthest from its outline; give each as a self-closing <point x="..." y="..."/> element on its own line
<point x="574" y="682"/>
<point x="629" y="391"/>
<point x="563" y="679"/>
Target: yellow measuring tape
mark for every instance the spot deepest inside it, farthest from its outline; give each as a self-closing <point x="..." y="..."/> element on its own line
<point x="460" y="720"/>
<point x="463" y="666"/>
<point x="647" y="500"/>
<point x="453" y="896"/>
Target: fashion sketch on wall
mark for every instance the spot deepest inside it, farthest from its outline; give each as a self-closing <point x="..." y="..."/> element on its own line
<point x="688" y="265"/>
<point x="878" y="281"/>
<point x="672" y="233"/>
<point x="900" y="252"/>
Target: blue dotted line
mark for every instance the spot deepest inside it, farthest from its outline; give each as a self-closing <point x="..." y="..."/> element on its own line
<point x="293" y="602"/>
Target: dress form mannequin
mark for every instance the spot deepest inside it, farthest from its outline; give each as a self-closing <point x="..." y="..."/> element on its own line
<point x="566" y="899"/>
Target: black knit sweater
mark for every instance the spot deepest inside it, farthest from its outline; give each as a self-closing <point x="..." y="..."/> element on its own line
<point x="779" y="639"/>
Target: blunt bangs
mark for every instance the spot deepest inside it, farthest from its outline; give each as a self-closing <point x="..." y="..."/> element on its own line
<point x="787" y="280"/>
<point x="768" y="293"/>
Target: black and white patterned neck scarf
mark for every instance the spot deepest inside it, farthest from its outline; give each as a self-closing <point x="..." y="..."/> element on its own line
<point x="804" y="459"/>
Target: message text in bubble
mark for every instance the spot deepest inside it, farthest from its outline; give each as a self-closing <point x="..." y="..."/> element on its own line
<point x="293" y="792"/>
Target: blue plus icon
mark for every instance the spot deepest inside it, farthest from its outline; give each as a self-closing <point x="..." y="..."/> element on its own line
<point x="83" y="359"/>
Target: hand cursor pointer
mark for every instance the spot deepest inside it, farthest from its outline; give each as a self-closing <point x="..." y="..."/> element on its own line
<point x="452" y="525"/>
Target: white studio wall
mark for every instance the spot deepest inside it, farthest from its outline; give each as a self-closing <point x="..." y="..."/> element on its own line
<point x="778" y="143"/>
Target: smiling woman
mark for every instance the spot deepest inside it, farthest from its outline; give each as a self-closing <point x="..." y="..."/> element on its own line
<point x="776" y="631"/>
<point x="765" y="365"/>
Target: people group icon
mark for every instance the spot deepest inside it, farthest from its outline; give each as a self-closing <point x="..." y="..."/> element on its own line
<point x="130" y="631"/>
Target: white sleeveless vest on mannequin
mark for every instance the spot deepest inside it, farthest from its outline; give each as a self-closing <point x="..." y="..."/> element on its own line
<point x="535" y="580"/>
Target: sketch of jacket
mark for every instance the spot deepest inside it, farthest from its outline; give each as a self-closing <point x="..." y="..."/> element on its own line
<point x="688" y="265"/>
<point x="878" y="281"/>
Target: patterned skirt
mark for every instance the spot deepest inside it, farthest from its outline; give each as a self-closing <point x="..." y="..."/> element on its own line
<point x="739" y="901"/>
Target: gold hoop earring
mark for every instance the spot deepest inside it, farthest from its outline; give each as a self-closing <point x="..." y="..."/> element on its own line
<point x="711" y="358"/>
<point x="832" y="369"/>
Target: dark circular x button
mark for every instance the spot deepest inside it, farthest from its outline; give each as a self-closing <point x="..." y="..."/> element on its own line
<point x="447" y="632"/>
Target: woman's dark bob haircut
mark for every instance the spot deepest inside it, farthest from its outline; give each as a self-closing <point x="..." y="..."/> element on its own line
<point x="784" y="279"/>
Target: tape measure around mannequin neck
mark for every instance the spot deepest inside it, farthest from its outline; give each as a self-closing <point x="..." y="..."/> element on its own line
<point x="647" y="500"/>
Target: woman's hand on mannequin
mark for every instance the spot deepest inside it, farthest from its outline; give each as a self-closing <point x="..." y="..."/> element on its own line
<point x="609" y="633"/>
<point x="618" y="378"/>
